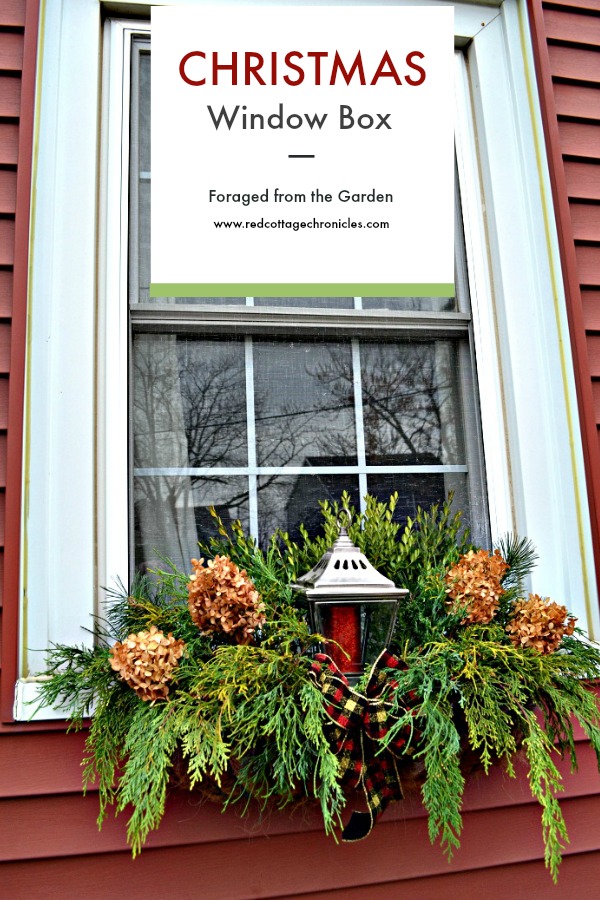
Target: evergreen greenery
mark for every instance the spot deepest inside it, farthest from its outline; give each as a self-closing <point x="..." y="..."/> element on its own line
<point x="248" y="722"/>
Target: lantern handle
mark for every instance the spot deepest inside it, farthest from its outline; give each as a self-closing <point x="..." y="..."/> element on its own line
<point x="344" y="513"/>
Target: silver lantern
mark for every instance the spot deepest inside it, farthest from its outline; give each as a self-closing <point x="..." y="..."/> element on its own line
<point x="350" y="603"/>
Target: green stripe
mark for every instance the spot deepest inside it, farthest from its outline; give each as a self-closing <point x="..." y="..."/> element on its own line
<point x="246" y="289"/>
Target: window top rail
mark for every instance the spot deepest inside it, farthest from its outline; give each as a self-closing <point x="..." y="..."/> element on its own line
<point x="252" y="320"/>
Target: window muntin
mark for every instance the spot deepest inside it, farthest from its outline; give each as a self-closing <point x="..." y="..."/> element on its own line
<point x="227" y="414"/>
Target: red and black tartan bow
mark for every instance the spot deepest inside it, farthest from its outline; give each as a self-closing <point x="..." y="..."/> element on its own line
<point x="359" y="722"/>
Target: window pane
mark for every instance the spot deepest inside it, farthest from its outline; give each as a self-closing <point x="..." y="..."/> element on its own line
<point x="411" y="304"/>
<point x="304" y="403"/>
<point x="416" y="490"/>
<point x="191" y="301"/>
<point x="171" y="514"/>
<point x="189" y="398"/>
<point x="307" y="302"/>
<point x="286" y="501"/>
<point x="411" y="404"/>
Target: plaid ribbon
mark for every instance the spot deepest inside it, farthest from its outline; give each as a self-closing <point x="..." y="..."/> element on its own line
<point x="358" y="723"/>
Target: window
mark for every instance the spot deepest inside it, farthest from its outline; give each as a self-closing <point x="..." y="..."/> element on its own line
<point x="260" y="407"/>
<point x="511" y="320"/>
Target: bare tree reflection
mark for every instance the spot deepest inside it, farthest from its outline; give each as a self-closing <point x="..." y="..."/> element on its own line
<point x="189" y="412"/>
<point x="408" y="400"/>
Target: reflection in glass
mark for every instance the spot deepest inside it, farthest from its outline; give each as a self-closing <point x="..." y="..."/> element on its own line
<point x="189" y="401"/>
<point x="299" y="417"/>
<point x="411" y="304"/>
<point x="189" y="301"/>
<point x="171" y="514"/>
<point x="416" y="489"/>
<point x="287" y="501"/>
<point x="411" y="405"/>
<point x="307" y="302"/>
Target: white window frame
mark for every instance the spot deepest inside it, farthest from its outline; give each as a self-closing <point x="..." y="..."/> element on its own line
<point x="75" y="511"/>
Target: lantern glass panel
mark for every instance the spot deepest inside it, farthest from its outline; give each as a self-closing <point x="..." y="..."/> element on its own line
<point x="362" y="629"/>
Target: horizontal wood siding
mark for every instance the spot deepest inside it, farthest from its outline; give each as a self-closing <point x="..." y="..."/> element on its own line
<point x="577" y="101"/>
<point x="49" y="839"/>
<point x="12" y="21"/>
<point x="572" y="27"/>
<point x="573" y="34"/>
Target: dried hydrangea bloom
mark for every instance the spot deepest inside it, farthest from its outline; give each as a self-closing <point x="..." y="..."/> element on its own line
<point x="222" y="598"/>
<point x="146" y="661"/>
<point x="539" y="623"/>
<point x="474" y="585"/>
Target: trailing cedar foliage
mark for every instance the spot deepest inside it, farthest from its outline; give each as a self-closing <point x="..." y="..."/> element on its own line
<point x="238" y="712"/>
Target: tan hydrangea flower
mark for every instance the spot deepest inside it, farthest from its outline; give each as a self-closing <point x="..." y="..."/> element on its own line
<point x="222" y="598"/>
<point x="474" y="584"/>
<point x="539" y="623"/>
<point x="146" y="661"/>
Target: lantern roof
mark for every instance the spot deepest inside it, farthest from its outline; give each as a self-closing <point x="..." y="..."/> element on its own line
<point x="345" y="573"/>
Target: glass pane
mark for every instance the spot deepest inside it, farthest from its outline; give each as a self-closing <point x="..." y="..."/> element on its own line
<point x="143" y="235"/>
<point x="411" y="405"/>
<point x="287" y="501"/>
<point x="189" y="402"/>
<point x="415" y="489"/>
<point x="190" y="301"/>
<point x="304" y="403"/>
<point x="307" y="302"/>
<point x="171" y="514"/>
<point x="144" y="113"/>
<point x="411" y="304"/>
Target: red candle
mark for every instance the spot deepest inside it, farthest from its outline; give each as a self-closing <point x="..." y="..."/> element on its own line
<point x="343" y="626"/>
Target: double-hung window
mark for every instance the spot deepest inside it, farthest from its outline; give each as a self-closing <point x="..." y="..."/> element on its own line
<point x="143" y="413"/>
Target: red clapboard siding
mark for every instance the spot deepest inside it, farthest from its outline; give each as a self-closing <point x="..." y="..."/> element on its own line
<point x="593" y="348"/>
<point x="568" y="26"/>
<point x="286" y="864"/>
<point x="596" y="392"/>
<point x="11" y="52"/>
<point x="9" y="143"/>
<point x="588" y="265"/>
<point x="571" y="62"/>
<point x="6" y="287"/>
<point x="12" y="12"/>
<point x="7" y="248"/>
<point x="28" y="823"/>
<point x="2" y="516"/>
<point x="591" y="309"/>
<point x="54" y="880"/>
<point x="583" y="180"/>
<point x="573" y="100"/>
<point x="580" y="139"/>
<point x="49" y="763"/>
<point x="10" y="96"/>
<point x="1" y="577"/>
<point x="2" y="460"/>
<point x="33" y="764"/>
<point x="8" y="191"/>
<point x="497" y="883"/>
<point x="581" y="4"/>
<point x="4" y="347"/>
<point x="3" y="402"/>
<point x="586" y="221"/>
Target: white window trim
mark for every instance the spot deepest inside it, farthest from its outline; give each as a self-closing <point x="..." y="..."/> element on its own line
<point x="75" y="517"/>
